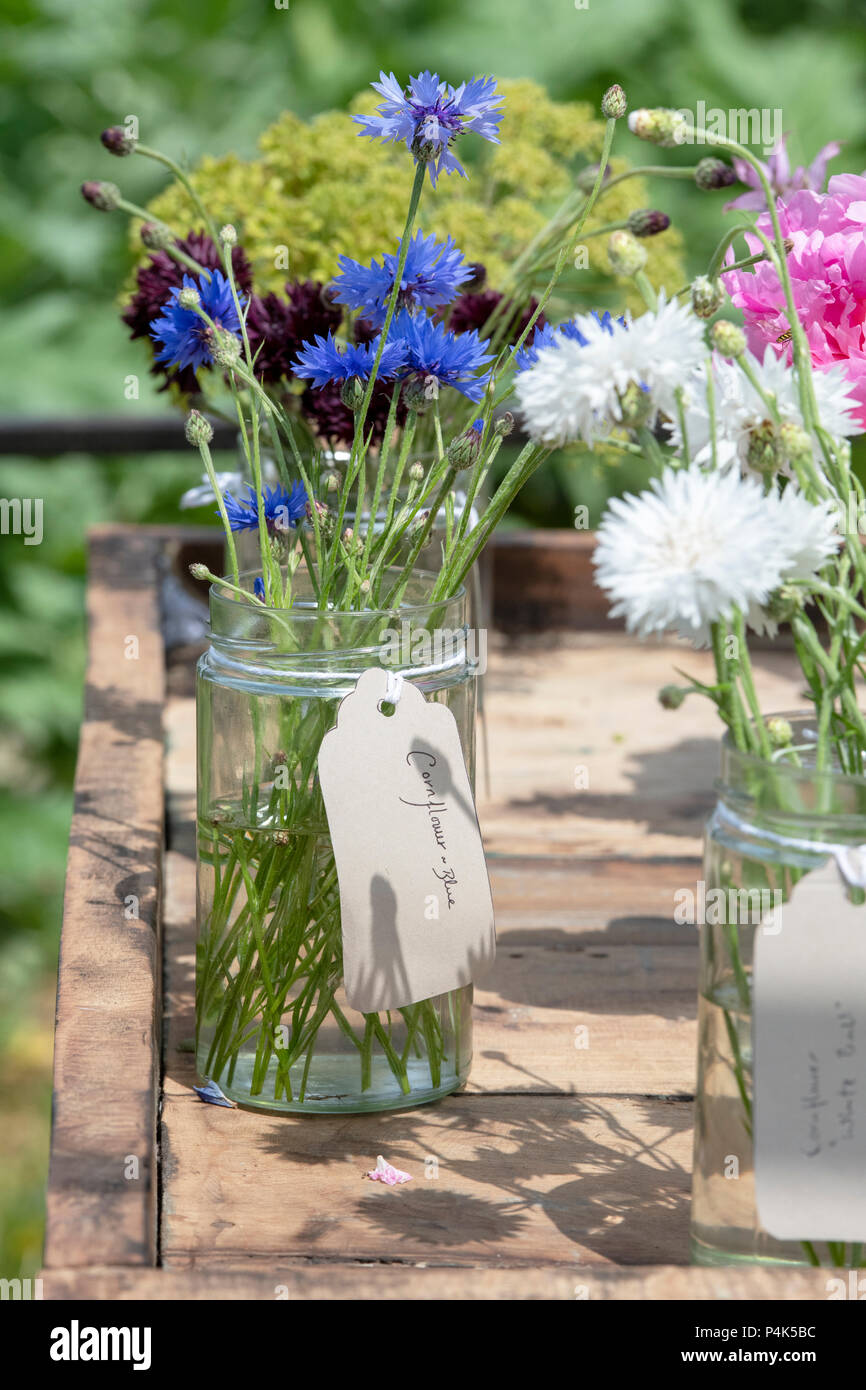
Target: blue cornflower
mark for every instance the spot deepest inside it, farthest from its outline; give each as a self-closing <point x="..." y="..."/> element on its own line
<point x="324" y="360"/>
<point x="282" y="510"/>
<point x="432" y="275"/>
<point x="186" y="338"/>
<point x="430" y="115"/>
<point x="548" y="336"/>
<point x="438" y="355"/>
<point x="259" y="588"/>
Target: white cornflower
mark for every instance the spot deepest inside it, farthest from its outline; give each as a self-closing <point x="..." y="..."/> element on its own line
<point x="697" y="545"/>
<point x="739" y="408"/>
<point x="808" y="536"/>
<point x="574" y="388"/>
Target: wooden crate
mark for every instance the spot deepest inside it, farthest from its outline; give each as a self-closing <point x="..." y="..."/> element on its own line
<point x="562" y="1171"/>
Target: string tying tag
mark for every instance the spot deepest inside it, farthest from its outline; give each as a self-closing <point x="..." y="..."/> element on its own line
<point x="393" y="688"/>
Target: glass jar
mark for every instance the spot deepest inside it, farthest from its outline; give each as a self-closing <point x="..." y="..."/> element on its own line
<point x="751" y="866"/>
<point x="273" y="1028"/>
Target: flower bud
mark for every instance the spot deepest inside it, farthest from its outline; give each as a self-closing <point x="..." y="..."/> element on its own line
<point x="118" y="141"/>
<point x="796" y="443"/>
<point x="199" y="571"/>
<point x="503" y="424"/>
<point x="613" y="103"/>
<point x="228" y="235"/>
<point x="648" y="222"/>
<point x="713" y="173"/>
<point x="156" y="236"/>
<point x="464" y="448"/>
<point x="197" y="429"/>
<point x="281" y="837"/>
<point x="416" y="395"/>
<point x="352" y="393"/>
<point x="728" y="339"/>
<point x="104" y="196"/>
<point x="764" y="452"/>
<point x="188" y="297"/>
<point x="659" y="125"/>
<point x="331" y="481"/>
<point x="708" y="296"/>
<point x="785" y="603"/>
<point x="416" y="472"/>
<point x="625" y="253"/>
<point x="225" y="348"/>
<point x="672" y="696"/>
<point x="780" y="732"/>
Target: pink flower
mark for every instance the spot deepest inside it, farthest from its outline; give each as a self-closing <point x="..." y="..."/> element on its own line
<point x="782" y="181"/>
<point x="827" y="264"/>
<point x="383" y="1172"/>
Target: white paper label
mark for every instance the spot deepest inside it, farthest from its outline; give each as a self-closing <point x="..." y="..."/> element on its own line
<point x="809" y="1032"/>
<point x="414" y="893"/>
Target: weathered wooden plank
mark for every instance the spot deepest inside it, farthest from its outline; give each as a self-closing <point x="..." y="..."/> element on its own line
<point x="409" y="1282"/>
<point x="102" y="1181"/>
<point x="528" y="1181"/>
<point x="582" y="758"/>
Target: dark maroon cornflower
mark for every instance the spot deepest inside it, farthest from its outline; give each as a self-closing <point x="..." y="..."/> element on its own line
<point x="333" y="421"/>
<point x="363" y="331"/>
<point x="279" y="327"/>
<point x="161" y="275"/>
<point x="471" y="311"/>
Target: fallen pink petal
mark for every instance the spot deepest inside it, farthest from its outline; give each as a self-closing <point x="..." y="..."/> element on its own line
<point x="386" y="1173"/>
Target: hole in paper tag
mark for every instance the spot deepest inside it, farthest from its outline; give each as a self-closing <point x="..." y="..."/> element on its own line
<point x="415" y="900"/>
<point x="809" y="1029"/>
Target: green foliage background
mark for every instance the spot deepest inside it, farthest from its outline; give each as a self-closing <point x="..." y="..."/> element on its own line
<point x="207" y="77"/>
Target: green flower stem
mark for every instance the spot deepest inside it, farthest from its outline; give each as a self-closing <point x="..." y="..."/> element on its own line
<point x="204" y="450"/>
<point x="507" y="355"/>
<point x="184" y="180"/>
<point x="645" y="289"/>
<point x="182" y="258"/>
<point x="573" y="205"/>
<point x="748" y="684"/>
<point x="414" y="200"/>
<point x="270" y="580"/>
<point x="717" y="261"/>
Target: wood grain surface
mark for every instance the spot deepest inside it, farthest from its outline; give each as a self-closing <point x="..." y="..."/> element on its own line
<point x="101" y="1202"/>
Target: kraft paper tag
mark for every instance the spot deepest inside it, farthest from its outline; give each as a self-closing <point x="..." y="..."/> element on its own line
<point x="414" y="893"/>
<point x="809" y="1031"/>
